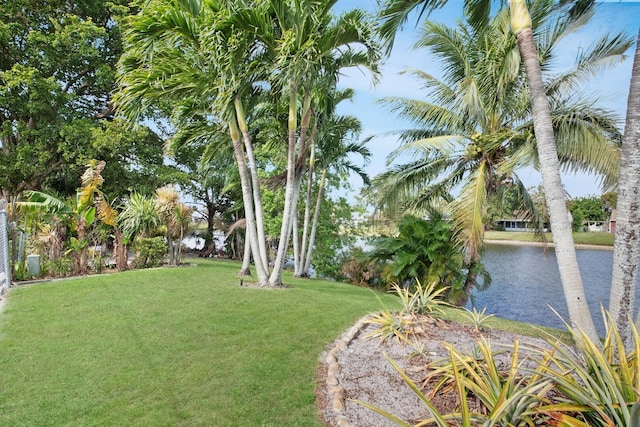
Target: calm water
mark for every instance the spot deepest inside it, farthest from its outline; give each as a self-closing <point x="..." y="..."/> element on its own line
<point x="526" y="281"/>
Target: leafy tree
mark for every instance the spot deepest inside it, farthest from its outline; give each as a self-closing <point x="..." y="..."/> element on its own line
<point x="56" y="74"/>
<point x="586" y="209"/>
<point x="209" y="179"/>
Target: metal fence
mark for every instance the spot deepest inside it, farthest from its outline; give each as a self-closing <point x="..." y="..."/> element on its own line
<point x="5" y="271"/>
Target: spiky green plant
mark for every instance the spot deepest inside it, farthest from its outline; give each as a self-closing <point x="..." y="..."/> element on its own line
<point x="599" y="382"/>
<point x="389" y="325"/>
<point x="420" y="299"/>
<point x="477" y="318"/>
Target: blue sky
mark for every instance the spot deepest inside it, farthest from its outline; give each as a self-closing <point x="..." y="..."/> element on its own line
<point x="610" y="87"/>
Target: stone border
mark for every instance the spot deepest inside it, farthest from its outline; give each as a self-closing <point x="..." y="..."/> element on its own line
<point x="335" y="391"/>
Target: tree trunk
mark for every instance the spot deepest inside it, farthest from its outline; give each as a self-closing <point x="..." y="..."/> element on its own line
<point x="120" y="250"/>
<point x="276" y="274"/>
<point x="172" y="254"/>
<point x="247" y="198"/>
<point x="255" y="185"/>
<point x="625" y="247"/>
<point x="573" y="287"/>
<point x="245" y="270"/>
<point x="314" y="225"/>
<point x="307" y="212"/>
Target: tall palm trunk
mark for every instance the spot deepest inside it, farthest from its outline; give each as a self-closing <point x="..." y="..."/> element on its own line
<point x="275" y="279"/>
<point x="255" y="182"/>
<point x="314" y="225"/>
<point x="247" y="198"/>
<point x="300" y="270"/>
<point x="295" y="232"/>
<point x="294" y="178"/>
<point x="626" y="250"/>
<point x="573" y="287"/>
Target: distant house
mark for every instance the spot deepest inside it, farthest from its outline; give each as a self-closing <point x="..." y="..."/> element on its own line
<point x="516" y="225"/>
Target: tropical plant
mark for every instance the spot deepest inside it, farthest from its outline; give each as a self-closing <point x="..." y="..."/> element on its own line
<point x="168" y="205"/>
<point x="357" y="268"/>
<point x="389" y="324"/>
<point x="332" y="146"/>
<point x="599" y="383"/>
<point x="477" y="136"/>
<point x="80" y="210"/>
<point x="420" y="299"/>
<point x="150" y="252"/>
<point x="581" y="383"/>
<point x="310" y="49"/>
<point x="477" y="318"/>
<point x="206" y="64"/>
<point x="139" y="216"/>
<point x="427" y="251"/>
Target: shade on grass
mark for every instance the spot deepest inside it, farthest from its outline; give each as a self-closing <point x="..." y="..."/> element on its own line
<point x="181" y="346"/>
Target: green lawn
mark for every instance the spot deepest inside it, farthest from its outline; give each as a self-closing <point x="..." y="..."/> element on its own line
<point x="182" y="346"/>
<point x="605" y="239"/>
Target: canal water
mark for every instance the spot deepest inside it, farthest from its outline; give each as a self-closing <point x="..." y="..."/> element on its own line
<point x="526" y="283"/>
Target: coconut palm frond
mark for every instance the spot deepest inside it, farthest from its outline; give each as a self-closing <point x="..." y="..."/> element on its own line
<point x="443" y="145"/>
<point x="469" y="211"/>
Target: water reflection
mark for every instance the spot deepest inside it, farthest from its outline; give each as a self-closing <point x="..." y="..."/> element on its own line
<point x="526" y="282"/>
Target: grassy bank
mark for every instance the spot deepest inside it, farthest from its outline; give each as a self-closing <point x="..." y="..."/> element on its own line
<point x="603" y="239"/>
<point x="173" y="346"/>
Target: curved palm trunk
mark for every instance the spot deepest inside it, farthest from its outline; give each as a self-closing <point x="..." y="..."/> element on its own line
<point x="247" y="198"/>
<point x="626" y="250"/>
<point x="573" y="287"/>
<point x="314" y="225"/>
<point x="255" y="181"/>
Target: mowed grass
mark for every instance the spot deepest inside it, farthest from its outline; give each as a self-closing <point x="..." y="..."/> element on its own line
<point x="181" y="346"/>
<point x="603" y="239"/>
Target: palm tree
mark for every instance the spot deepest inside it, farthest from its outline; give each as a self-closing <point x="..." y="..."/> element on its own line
<point x="308" y="47"/>
<point x="493" y="151"/>
<point x="625" y="248"/>
<point x="574" y="293"/>
<point x="167" y="203"/>
<point x="336" y="148"/>
<point x="192" y="53"/>
<point x="139" y="217"/>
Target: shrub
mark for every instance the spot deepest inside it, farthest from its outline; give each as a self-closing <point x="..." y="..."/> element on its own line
<point x="150" y="252"/>
<point x="60" y="267"/>
<point x="359" y="269"/>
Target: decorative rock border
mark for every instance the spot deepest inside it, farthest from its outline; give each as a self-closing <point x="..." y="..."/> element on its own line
<point x="335" y="391"/>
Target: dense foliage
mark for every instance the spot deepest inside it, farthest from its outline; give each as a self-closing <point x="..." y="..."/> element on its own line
<point x="56" y="75"/>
